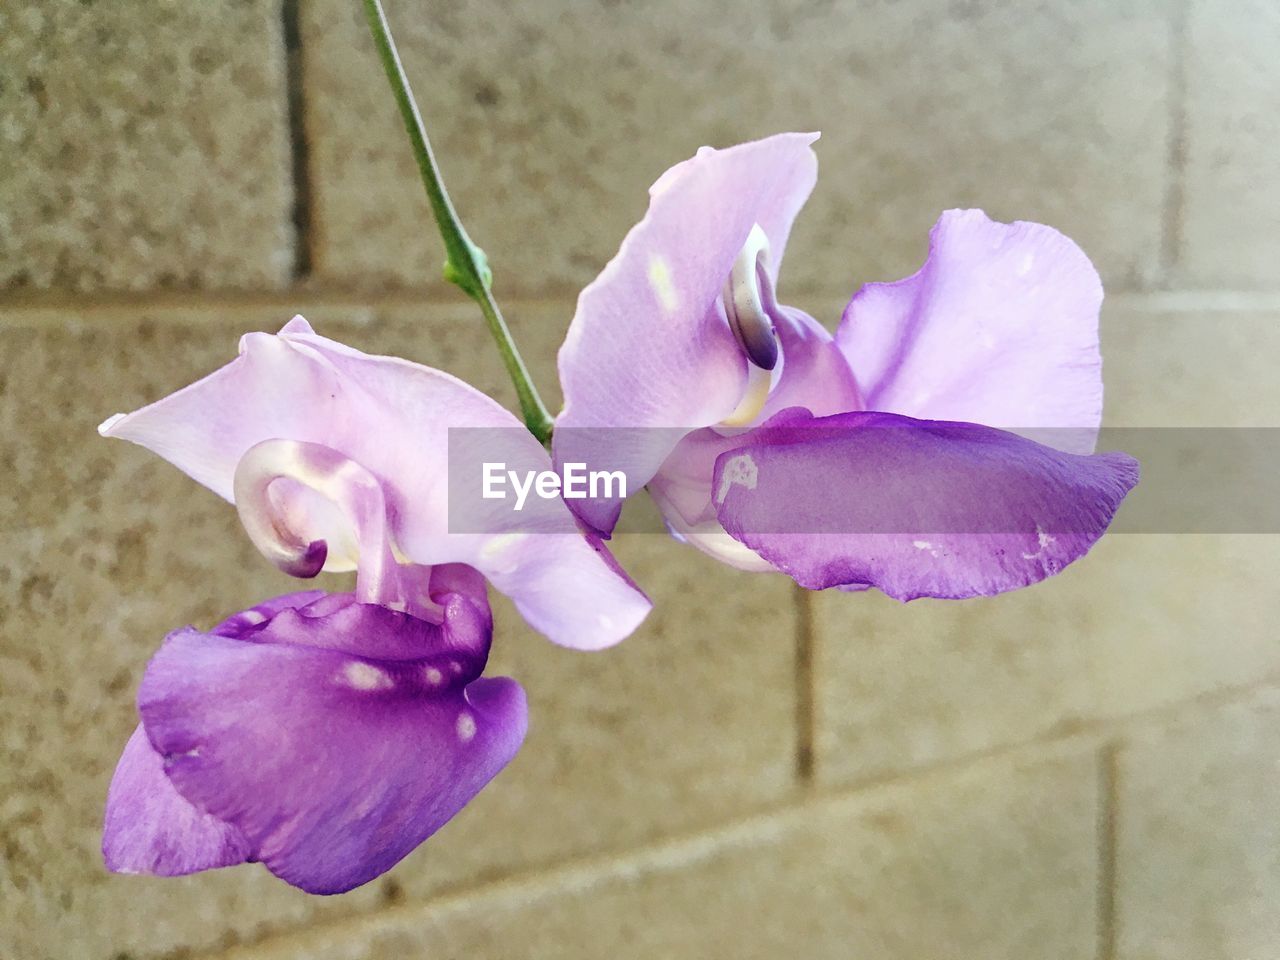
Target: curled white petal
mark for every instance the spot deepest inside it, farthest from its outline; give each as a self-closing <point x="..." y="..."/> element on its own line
<point x="749" y="301"/>
<point x="347" y="485"/>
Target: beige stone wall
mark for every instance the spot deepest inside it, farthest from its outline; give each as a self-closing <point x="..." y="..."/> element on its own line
<point x="1084" y="769"/>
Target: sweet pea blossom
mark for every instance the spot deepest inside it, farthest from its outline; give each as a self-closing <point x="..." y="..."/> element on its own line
<point x="896" y="455"/>
<point x="327" y="735"/>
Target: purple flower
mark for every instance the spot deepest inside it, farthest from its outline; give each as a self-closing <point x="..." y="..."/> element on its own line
<point x="324" y="737"/>
<point x="852" y="461"/>
<point x="327" y="735"/>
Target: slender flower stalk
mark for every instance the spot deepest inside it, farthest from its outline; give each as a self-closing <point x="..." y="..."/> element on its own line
<point x="465" y="263"/>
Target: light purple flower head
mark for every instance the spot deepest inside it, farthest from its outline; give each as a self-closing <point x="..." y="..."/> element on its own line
<point x="327" y="735"/>
<point x="863" y="460"/>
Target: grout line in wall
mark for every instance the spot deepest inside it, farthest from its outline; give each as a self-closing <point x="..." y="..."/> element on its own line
<point x="1108" y="826"/>
<point x="14" y="304"/>
<point x="1176" y="158"/>
<point x="700" y="844"/>
<point x="806" y="705"/>
<point x="299" y="145"/>
<point x="1081" y="731"/>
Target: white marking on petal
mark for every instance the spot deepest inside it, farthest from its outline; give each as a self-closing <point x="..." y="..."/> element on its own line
<point x="253" y="617"/>
<point x="364" y="676"/>
<point x="1044" y="540"/>
<point x="663" y="286"/>
<point x="433" y="676"/>
<point x="466" y="727"/>
<point x="740" y="471"/>
<point x="925" y="545"/>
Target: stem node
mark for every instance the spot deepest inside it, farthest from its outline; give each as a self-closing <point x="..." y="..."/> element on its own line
<point x="465" y="264"/>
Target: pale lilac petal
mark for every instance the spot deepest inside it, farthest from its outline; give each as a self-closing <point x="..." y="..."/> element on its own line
<point x="582" y="600"/>
<point x="915" y="508"/>
<point x="333" y="766"/>
<point x="393" y="418"/>
<point x="150" y="828"/>
<point x="649" y="345"/>
<point x="1000" y="326"/>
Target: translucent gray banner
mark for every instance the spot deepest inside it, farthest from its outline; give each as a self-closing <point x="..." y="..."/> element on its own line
<point x="1193" y="480"/>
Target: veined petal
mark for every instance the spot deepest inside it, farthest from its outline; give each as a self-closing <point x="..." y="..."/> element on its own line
<point x="1000" y="326"/>
<point x="393" y="418"/>
<point x="151" y="828"/>
<point x="332" y="766"/>
<point x="915" y="508"/>
<point x="649" y="345"/>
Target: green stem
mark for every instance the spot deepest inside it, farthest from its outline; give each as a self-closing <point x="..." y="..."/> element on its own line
<point x="465" y="263"/>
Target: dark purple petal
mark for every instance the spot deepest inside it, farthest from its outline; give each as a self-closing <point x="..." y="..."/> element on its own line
<point x="332" y="766"/>
<point x="1000" y="326"/>
<point x="248" y="621"/>
<point x="150" y="828"/>
<point x="916" y="508"/>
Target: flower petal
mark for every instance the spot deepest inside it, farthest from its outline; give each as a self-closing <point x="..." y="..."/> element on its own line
<point x="649" y="345"/>
<point x="150" y="828"/>
<point x="915" y="508"/>
<point x="814" y="376"/>
<point x="393" y="418"/>
<point x="238" y="625"/>
<point x="1000" y="326"/>
<point x="332" y="766"/>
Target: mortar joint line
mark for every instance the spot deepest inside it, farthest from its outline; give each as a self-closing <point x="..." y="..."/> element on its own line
<point x="1174" y="208"/>
<point x="1108" y="839"/>
<point x="302" y="213"/>
<point x="806" y="693"/>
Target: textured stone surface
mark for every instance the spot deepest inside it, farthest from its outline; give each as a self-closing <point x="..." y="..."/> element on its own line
<point x="106" y="548"/>
<point x="1230" y="229"/>
<point x="1198" y="857"/>
<point x="1122" y="630"/>
<point x="997" y="861"/>
<point x="143" y="145"/>
<point x="1142" y="621"/>
<point x="552" y="119"/>
<point x="1190" y="364"/>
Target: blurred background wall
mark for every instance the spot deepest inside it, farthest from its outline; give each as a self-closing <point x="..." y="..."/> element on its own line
<point x="1087" y="768"/>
